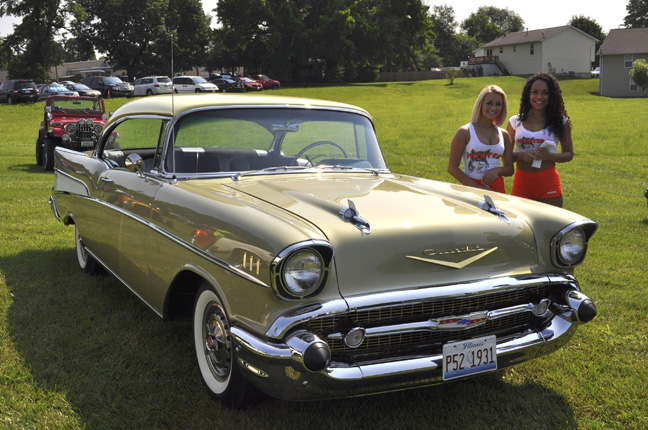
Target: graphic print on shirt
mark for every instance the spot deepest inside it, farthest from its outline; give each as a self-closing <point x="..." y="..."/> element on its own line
<point x="478" y="161"/>
<point x="528" y="143"/>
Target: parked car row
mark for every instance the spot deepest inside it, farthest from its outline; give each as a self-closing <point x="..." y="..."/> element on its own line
<point x="23" y="90"/>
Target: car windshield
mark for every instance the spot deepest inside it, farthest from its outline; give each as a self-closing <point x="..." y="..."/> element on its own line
<point x="113" y="80"/>
<point x="57" y="88"/>
<point x="245" y="140"/>
<point x="199" y="80"/>
<point x="164" y="80"/>
<point x="80" y="87"/>
<point x="76" y="106"/>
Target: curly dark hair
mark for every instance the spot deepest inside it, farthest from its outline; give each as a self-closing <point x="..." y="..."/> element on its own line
<point x="556" y="113"/>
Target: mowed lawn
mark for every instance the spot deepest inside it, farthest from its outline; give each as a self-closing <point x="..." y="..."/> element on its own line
<point x="82" y="352"/>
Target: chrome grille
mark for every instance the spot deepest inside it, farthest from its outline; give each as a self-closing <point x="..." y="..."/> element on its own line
<point x="84" y="131"/>
<point x="429" y="341"/>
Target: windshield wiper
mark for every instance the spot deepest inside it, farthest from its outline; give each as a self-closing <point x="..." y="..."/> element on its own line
<point x="375" y="172"/>
<point x="238" y="175"/>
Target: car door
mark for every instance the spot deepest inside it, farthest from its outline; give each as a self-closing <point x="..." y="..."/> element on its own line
<point x="130" y="196"/>
<point x="185" y="85"/>
<point x="138" y="88"/>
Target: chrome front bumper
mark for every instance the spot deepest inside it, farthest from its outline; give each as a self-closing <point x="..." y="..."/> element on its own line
<point x="279" y="368"/>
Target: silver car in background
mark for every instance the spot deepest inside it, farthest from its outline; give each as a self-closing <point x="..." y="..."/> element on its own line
<point x="152" y="85"/>
<point x="193" y="84"/>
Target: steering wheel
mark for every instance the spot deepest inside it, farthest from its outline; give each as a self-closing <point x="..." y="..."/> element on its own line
<point x="318" y="143"/>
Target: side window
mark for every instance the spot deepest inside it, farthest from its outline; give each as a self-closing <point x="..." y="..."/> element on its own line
<point x="141" y="136"/>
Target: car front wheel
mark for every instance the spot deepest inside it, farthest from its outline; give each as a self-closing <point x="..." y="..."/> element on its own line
<point x="215" y="352"/>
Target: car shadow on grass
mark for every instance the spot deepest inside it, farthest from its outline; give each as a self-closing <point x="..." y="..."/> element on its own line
<point x="90" y="341"/>
<point x="29" y="168"/>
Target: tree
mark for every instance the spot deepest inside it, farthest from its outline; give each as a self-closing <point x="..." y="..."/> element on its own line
<point x="323" y="40"/>
<point x="489" y="23"/>
<point x="31" y="50"/>
<point x="639" y="74"/>
<point x="451" y="74"/>
<point x="588" y="25"/>
<point x="136" y="36"/>
<point x="444" y="27"/>
<point x="637" y="16"/>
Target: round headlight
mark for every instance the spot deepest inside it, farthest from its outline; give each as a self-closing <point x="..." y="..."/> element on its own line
<point x="303" y="272"/>
<point x="90" y="121"/>
<point x="97" y="128"/>
<point x="572" y="246"/>
<point x="71" y="128"/>
<point x="82" y="121"/>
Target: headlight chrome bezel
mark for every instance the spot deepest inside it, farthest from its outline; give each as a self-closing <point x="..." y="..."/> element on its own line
<point x="70" y="127"/>
<point x="286" y="273"/>
<point x="569" y="246"/>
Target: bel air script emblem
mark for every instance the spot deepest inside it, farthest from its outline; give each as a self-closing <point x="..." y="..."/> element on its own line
<point x="454" y="265"/>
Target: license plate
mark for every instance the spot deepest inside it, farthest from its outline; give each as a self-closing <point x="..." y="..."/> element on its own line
<point x="87" y="143"/>
<point x="469" y="357"/>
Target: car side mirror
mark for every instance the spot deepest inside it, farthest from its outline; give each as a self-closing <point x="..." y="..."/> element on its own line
<point x="134" y="163"/>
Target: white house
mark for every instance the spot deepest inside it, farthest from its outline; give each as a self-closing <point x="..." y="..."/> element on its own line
<point x="559" y="50"/>
<point x="618" y="51"/>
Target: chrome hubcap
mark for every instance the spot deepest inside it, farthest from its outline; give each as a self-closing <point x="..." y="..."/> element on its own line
<point x="217" y="346"/>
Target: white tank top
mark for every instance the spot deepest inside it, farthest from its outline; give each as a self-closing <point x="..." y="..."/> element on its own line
<point x="526" y="140"/>
<point x="478" y="158"/>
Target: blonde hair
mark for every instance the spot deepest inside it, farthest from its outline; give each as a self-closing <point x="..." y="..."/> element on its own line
<point x="480" y="100"/>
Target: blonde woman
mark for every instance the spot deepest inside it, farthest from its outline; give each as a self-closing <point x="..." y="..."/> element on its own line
<point x="482" y="144"/>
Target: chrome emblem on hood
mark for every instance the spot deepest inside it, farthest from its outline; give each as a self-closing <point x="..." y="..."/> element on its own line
<point x="453" y="265"/>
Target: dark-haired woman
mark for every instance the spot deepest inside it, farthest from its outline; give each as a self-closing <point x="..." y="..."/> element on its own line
<point x="538" y="132"/>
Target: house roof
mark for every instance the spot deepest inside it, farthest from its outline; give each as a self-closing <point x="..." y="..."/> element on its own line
<point x="622" y="41"/>
<point x="530" y="36"/>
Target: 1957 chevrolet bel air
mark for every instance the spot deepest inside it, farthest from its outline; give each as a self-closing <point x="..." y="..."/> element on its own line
<point x="309" y="269"/>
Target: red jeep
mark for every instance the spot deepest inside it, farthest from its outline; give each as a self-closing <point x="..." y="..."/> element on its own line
<point x="70" y="122"/>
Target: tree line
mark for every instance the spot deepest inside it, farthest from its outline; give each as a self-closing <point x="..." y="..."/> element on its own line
<point x="305" y="40"/>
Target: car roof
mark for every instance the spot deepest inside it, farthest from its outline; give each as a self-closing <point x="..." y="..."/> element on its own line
<point x="163" y="104"/>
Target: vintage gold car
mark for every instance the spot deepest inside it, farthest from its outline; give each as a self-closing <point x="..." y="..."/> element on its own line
<point x="309" y="269"/>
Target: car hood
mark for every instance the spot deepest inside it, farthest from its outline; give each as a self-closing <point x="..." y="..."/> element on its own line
<point x="423" y="232"/>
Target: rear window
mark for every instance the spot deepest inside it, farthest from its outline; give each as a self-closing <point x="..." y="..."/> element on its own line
<point x="25" y="84"/>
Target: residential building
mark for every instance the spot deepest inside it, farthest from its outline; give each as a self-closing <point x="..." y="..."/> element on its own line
<point x="559" y="50"/>
<point x="618" y="52"/>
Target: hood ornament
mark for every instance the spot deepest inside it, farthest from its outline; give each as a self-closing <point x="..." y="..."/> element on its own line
<point x="489" y="206"/>
<point x="351" y="214"/>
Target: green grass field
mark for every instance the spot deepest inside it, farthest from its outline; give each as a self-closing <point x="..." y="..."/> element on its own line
<point x="82" y="352"/>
